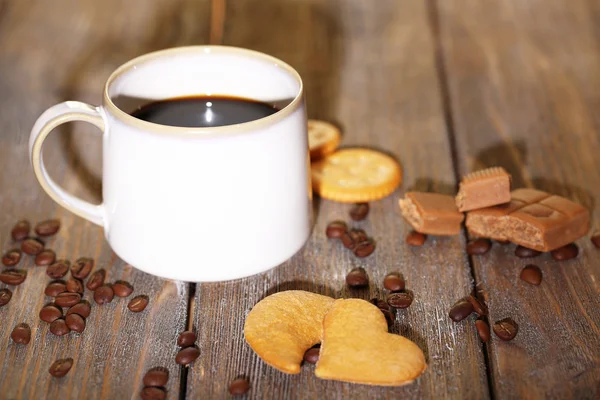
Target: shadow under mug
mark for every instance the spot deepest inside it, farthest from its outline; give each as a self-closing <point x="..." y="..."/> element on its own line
<point x="195" y="204"/>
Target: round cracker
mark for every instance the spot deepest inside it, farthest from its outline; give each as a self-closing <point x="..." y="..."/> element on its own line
<point x="323" y="138"/>
<point x="356" y="175"/>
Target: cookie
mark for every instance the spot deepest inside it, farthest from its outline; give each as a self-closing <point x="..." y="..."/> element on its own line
<point x="282" y="326"/>
<point x="356" y="175"/>
<point x="357" y="347"/>
<point x="323" y="138"/>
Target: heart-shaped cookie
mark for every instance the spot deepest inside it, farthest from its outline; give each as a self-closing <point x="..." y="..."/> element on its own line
<point x="282" y="326"/>
<point x="357" y="347"/>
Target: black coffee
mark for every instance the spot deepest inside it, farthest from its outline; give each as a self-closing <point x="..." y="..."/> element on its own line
<point x="204" y="111"/>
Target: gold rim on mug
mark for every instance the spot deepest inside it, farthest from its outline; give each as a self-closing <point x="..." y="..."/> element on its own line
<point x="206" y="131"/>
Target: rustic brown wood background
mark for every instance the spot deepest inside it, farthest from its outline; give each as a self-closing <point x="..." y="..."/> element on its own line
<point x="446" y="86"/>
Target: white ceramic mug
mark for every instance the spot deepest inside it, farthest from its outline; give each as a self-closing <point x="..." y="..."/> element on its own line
<point x="195" y="204"/>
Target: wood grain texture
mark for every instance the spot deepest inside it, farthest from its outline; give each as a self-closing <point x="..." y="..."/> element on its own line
<point x="65" y="50"/>
<point x="523" y="81"/>
<point x="371" y="70"/>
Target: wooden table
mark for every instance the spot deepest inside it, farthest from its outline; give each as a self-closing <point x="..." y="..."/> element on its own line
<point x="446" y="86"/>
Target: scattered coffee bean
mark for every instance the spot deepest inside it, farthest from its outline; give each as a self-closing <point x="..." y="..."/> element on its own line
<point x="385" y="309"/>
<point x="531" y="274"/>
<point x="21" y="334"/>
<point x="483" y="329"/>
<point x="506" y="329"/>
<point x="96" y="280"/>
<point x="59" y="327"/>
<point x="21" y="230"/>
<point x="461" y="310"/>
<point x="138" y="303"/>
<point x="157" y="376"/>
<point x="61" y="367"/>
<point x="48" y="227"/>
<point x="13" y="277"/>
<point x="596" y="239"/>
<point x="5" y="296"/>
<point x="415" y="238"/>
<point x="82" y="308"/>
<point x="239" y="386"/>
<point x="54" y="288"/>
<point x="67" y="299"/>
<point x="104" y="294"/>
<point x="347" y="240"/>
<point x="58" y="269"/>
<point x="46" y="257"/>
<point x="565" y="253"/>
<point x="50" y="313"/>
<point x="399" y="299"/>
<point x="32" y="246"/>
<point x="312" y="355"/>
<point x="187" y="356"/>
<point x="186" y="339"/>
<point x="358" y="235"/>
<point x="478" y="247"/>
<point x="75" y="322"/>
<point x="75" y="286"/>
<point x="11" y="257"/>
<point x="394" y="282"/>
<point x="364" y="249"/>
<point x="359" y="211"/>
<point x="122" y="288"/>
<point x="82" y="267"/>
<point x="357" y="278"/>
<point x="478" y="306"/>
<point x="524" y="252"/>
<point x="153" y="393"/>
<point x="336" y="229"/>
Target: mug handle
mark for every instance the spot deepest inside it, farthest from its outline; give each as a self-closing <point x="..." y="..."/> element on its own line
<point x="50" y="119"/>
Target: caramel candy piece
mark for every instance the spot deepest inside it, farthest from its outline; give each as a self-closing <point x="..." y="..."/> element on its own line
<point x="484" y="188"/>
<point x="431" y="213"/>
<point x="533" y="219"/>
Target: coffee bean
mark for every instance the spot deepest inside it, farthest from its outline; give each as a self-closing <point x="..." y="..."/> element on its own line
<point x="239" y="386"/>
<point x="506" y="329"/>
<point x="67" y="299"/>
<point x="46" y="257"/>
<point x="478" y="247"/>
<point x="157" y="376"/>
<point x="336" y="229"/>
<point x="415" y="238"/>
<point x="82" y="308"/>
<point x="531" y="274"/>
<point x="347" y="240"/>
<point x="478" y="306"/>
<point x="394" y="282"/>
<point x="153" y="393"/>
<point x="358" y="235"/>
<point x="21" y="334"/>
<point x="399" y="299"/>
<point x="13" y="277"/>
<point x="74" y="286"/>
<point x="364" y="249"/>
<point x="5" y="296"/>
<point x="48" y="227"/>
<point x="187" y="356"/>
<point x="59" y="327"/>
<point x="596" y="239"/>
<point x="359" y="211"/>
<point x="138" y="303"/>
<point x="50" y="313"/>
<point x="54" y="288"/>
<point x="32" y="246"/>
<point x="11" y="257"/>
<point x="58" y="269"/>
<point x="357" y="278"/>
<point x="385" y="309"/>
<point x="565" y="253"/>
<point x="524" y="252"/>
<point x="312" y="355"/>
<point x="82" y="267"/>
<point x="186" y="339"/>
<point x="75" y="322"/>
<point x="461" y="310"/>
<point x="483" y="329"/>
<point x="351" y="238"/>
<point x="104" y="294"/>
<point x="96" y="280"/>
<point x="20" y="230"/>
<point x="61" y="367"/>
<point x="122" y="288"/>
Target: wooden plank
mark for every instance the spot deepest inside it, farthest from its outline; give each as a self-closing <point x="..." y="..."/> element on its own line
<point x="523" y="80"/>
<point x="51" y="52"/>
<point x="371" y="69"/>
